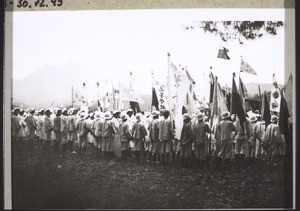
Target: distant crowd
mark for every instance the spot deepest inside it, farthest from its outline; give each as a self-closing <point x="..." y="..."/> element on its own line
<point x="150" y="137"/>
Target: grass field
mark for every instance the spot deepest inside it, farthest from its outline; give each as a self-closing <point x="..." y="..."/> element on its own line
<point x="55" y="180"/>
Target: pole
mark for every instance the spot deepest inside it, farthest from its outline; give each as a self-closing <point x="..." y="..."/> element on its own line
<point x="169" y="91"/>
<point x="72" y="96"/>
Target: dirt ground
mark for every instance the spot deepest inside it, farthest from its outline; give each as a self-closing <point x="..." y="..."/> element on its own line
<point x="55" y="181"/>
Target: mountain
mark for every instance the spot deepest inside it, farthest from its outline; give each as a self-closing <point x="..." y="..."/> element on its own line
<point x="52" y="86"/>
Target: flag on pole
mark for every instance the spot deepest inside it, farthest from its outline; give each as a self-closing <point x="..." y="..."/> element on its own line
<point x="265" y="109"/>
<point x="222" y="54"/>
<point x="154" y="101"/>
<point x="246" y="68"/>
<point x="212" y="81"/>
<point x="178" y="87"/>
<point x="243" y="92"/>
<point x="191" y="97"/>
<point x="283" y="118"/>
<point x="275" y="96"/>
<point x="78" y="98"/>
<point x="218" y="104"/>
<point x="236" y="103"/>
<point x="288" y="94"/>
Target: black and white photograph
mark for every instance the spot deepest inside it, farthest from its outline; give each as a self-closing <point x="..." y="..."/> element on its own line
<point x="151" y="108"/>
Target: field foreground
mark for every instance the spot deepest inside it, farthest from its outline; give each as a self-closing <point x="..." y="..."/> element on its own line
<point x="57" y="181"/>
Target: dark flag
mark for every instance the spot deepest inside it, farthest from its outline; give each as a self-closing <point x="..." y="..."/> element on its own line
<point x="154" y="102"/>
<point x="283" y="118"/>
<point x="223" y="54"/>
<point x="236" y="103"/>
<point x="212" y="85"/>
<point x="265" y="109"/>
<point x="135" y="107"/>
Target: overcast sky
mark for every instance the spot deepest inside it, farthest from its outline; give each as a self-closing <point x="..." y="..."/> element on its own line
<point x="116" y="42"/>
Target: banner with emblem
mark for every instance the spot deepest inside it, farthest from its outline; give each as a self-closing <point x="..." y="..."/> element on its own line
<point x="275" y="96"/>
<point x="78" y="98"/>
<point x="178" y="87"/>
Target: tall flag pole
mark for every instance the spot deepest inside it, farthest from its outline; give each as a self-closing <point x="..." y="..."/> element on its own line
<point x="243" y="92"/>
<point x="260" y="97"/>
<point x="169" y="91"/>
<point x="212" y="81"/>
<point x="154" y="101"/>
<point x="236" y="104"/>
<point x="265" y="109"/>
<point x="72" y="96"/>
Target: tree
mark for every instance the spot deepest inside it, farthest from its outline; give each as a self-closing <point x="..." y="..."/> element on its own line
<point x="239" y="30"/>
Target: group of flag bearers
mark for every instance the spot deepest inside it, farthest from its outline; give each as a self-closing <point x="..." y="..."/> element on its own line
<point x="150" y="137"/>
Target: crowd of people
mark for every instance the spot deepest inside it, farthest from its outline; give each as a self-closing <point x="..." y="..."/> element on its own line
<point x="150" y="137"/>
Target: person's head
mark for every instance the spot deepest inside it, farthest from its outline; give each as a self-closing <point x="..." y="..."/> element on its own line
<point x="200" y="117"/>
<point x="138" y="117"/>
<point x="226" y="115"/>
<point x="48" y="112"/>
<point x="16" y="111"/>
<point x="253" y="119"/>
<point x="32" y="111"/>
<point x="82" y="116"/>
<point x="258" y="116"/>
<point x="166" y="114"/>
<point x="107" y="115"/>
<point x="64" y="112"/>
<point x="129" y="112"/>
<point x="41" y="112"/>
<point x="21" y="112"/>
<point x="155" y="114"/>
<point x="233" y="117"/>
<point x="116" y="114"/>
<point x="274" y="119"/>
<point x="186" y="118"/>
<point x="75" y="111"/>
<point x="58" y="112"/>
<point x="124" y="117"/>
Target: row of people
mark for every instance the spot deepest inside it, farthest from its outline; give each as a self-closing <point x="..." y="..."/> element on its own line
<point x="153" y="137"/>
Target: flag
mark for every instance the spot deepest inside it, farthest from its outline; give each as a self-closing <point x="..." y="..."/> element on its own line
<point x="218" y="104"/>
<point x="243" y="92"/>
<point x="283" y="118"/>
<point x="222" y="54"/>
<point x="135" y="107"/>
<point x="78" y="98"/>
<point x="236" y="103"/>
<point x="178" y="88"/>
<point x="275" y="96"/>
<point x="211" y="91"/>
<point x="154" y="101"/>
<point x="191" y="97"/>
<point x="265" y="109"/>
<point x="246" y="68"/>
<point x="288" y="94"/>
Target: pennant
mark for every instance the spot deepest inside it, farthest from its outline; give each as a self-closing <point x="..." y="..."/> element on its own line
<point x="265" y="109"/>
<point x="246" y="68"/>
<point x="236" y="104"/>
<point x="275" y="96"/>
<point x="222" y="54"/>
